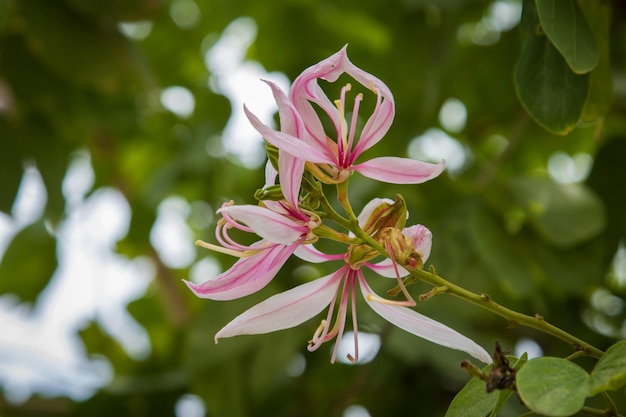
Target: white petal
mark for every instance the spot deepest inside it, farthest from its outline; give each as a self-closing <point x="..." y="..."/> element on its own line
<point x="285" y="310"/>
<point x="369" y="209"/>
<point x="425" y="327"/>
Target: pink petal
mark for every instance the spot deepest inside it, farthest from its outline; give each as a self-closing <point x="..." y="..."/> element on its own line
<point x="422" y="239"/>
<point x="285" y="310"/>
<point x="425" y="327"/>
<point x="269" y="225"/>
<point x="246" y="276"/>
<point x="306" y="90"/>
<point x="287" y="143"/>
<point x="291" y="171"/>
<point x="310" y="254"/>
<point x="396" y="170"/>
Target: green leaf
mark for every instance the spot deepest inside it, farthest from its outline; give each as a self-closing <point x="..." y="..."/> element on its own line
<point x="11" y="168"/>
<point x="473" y="401"/>
<point x="66" y="42"/>
<point x="553" y="386"/>
<point x="600" y="96"/>
<point x="552" y="94"/>
<point x="549" y="90"/>
<point x="610" y="371"/>
<point x="28" y="263"/>
<point x="565" y="214"/>
<point x="567" y="29"/>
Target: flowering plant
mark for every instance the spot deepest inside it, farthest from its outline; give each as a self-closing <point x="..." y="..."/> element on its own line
<point x="320" y="144"/>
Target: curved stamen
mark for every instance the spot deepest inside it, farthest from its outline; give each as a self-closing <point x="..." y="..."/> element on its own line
<point x="395" y="268"/>
<point x="341" y="316"/>
<point x="319" y="338"/>
<point x="355" y="325"/>
<point x="227" y="251"/>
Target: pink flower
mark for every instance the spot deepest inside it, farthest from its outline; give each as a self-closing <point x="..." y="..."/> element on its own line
<point x="332" y="159"/>
<point x="338" y="292"/>
<point x="282" y="229"/>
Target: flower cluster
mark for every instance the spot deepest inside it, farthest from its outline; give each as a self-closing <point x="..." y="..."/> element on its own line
<point x="304" y="157"/>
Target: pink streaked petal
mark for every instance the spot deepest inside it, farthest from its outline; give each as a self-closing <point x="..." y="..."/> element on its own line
<point x="248" y="275"/>
<point x="422" y="239"/>
<point x="310" y="254"/>
<point x="369" y="209"/>
<point x="396" y="170"/>
<point x="291" y="171"/>
<point x="290" y="121"/>
<point x="288" y="143"/>
<point x="285" y="310"/>
<point x="425" y="327"/>
<point x="269" y="225"/>
<point x="386" y="269"/>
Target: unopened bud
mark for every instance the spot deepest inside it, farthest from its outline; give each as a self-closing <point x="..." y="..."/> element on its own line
<point x="401" y="247"/>
<point x="358" y="254"/>
<point x="271" y="192"/>
<point x="386" y="215"/>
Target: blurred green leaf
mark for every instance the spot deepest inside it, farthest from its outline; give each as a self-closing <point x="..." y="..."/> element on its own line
<point x="553" y="95"/>
<point x="600" y="96"/>
<point x="66" y="42"/>
<point x="610" y="371"/>
<point x="119" y="9"/>
<point x="553" y="386"/>
<point x="567" y="29"/>
<point x="565" y="214"/>
<point x="28" y="263"/>
<point x="11" y="167"/>
<point x="506" y="255"/>
<point x="549" y="90"/>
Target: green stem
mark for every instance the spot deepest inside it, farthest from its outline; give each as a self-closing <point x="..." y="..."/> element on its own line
<point x="514" y="318"/>
<point x="342" y="196"/>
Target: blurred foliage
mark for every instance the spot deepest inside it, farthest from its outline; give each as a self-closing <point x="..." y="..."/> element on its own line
<point x="70" y="80"/>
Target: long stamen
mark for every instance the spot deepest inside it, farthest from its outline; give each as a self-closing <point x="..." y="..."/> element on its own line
<point x="342" y="141"/>
<point x="227" y="251"/>
<point x="341" y="317"/>
<point x="321" y="334"/>
<point x="355" y="113"/>
<point x="355" y="326"/>
<point x="400" y="283"/>
<point x="377" y="299"/>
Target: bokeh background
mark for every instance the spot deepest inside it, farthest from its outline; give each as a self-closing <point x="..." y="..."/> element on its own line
<point x="121" y="132"/>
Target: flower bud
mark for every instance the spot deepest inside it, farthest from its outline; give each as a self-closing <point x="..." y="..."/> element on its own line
<point x="386" y="215"/>
<point x="402" y="248"/>
<point x="272" y="192"/>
